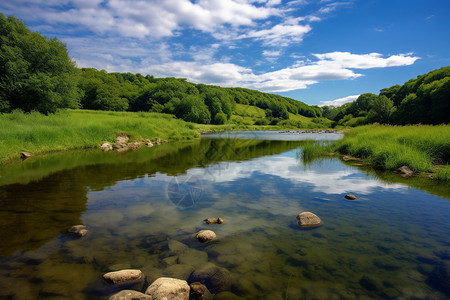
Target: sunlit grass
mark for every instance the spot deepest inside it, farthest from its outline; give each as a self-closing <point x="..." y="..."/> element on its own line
<point x="74" y="129"/>
<point x="419" y="147"/>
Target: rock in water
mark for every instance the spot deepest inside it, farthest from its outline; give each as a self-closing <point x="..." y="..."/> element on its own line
<point x="124" y="276"/>
<point x="165" y="288"/>
<point x="199" y="292"/>
<point x="308" y="219"/>
<point x="204" y="236"/>
<point x="350" y="197"/>
<point x="213" y="221"/>
<point x="215" y="278"/>
<point x="404" y="171"/>
<point x="130" y="295"/>
<point x="79" y="230"/>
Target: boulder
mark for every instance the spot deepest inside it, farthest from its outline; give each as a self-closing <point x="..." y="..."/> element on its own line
<point x="215" y="278"/>
<point x="25" y="155"/>
<point x="205" y="236"/>
<point x="199" y="292"/>
<point x="106" y="146"/>
<point x="135" y="145"/>
<point x="121" y="139"/>
<point x="404" y="171"/>
<point x="130" y="295"/>
<point x="350" y="197"/>
<point x="124" y="276"/>
<point x="157" y="141"/>
<point x="213" y="220"/>
<point x="79" y="230"/>
<point x="308" y="219"/>
<point x="165" y="288"/>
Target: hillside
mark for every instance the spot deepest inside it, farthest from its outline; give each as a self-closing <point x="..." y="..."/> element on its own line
<point x="423" y="100"/>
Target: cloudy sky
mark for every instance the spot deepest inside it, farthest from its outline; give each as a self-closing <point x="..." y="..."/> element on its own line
<point x="316" y="51"/>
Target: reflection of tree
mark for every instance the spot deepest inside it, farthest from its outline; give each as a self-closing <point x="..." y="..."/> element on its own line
<point x="33" y="214"/>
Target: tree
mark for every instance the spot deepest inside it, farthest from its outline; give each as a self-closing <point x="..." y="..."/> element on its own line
<point x="35" y="73"/>
<point x="381" y="110"/>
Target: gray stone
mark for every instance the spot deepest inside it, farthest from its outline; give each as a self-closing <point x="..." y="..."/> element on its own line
<point x="176" y="247"/>
<point x="404" y="171"/>
<point x="130" y="295"/>
<point x="199" y="292"/>
<point x="165" y="288"/>
<point x="213" y="220"/>
<point x="121" y="139"/>
<point x="106" y="146"/>
<point x="215" y="278"/>
<point x="308" y="219"/>
<point x="205" y="236"/>
<point x="124" y="276"/>
<point x="157" y="141"/>
<point x="25" y="155"/>
<point x="179" y="271"/>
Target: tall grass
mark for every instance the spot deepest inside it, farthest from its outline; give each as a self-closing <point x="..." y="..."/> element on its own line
<point x="420" y="147"/>
<point x="72" y="129"/>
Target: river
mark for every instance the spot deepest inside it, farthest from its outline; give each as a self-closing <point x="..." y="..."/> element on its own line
<point x="143" y="209"/>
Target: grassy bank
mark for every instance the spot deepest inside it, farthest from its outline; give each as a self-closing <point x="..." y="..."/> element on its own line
<point x="75" y="129"/>
<point x="420" y="147"/>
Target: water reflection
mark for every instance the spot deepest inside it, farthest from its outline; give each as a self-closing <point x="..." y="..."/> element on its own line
<point x="143" y="209"/>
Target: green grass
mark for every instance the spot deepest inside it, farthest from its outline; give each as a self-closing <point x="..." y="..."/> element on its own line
<point x="75" y="129"/>
<point x="420" y="147"/>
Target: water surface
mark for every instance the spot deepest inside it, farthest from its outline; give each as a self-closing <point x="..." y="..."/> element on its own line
<point x="143" y="209"/>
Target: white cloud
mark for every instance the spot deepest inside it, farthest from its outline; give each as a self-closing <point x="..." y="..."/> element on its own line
<point x="365" y="61"/>
<point x="339" y="101"/>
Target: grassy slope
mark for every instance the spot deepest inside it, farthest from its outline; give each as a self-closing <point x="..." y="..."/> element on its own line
<point x="74" y="129"/>
<point x="420" y="147"/>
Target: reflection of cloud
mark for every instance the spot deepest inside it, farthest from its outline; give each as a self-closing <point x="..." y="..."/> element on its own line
<point x="331" y="176"/>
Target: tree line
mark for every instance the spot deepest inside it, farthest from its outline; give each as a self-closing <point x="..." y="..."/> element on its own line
<point x="423" y="100"/>
<point x="37" y="74"/>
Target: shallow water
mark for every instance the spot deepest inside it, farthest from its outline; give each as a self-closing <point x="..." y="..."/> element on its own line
<point x="143" y="209"/>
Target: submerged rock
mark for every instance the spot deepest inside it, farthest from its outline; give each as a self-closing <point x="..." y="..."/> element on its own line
<point x="124" y="276"/>
<point x="215" y="278"/>
<point x="199" y="292"/>
<point x="440" y="277"/>
<point x="350" y="197"/>
<point x="205" y="236"/>
<point x="308" y="219"/>
<point x="79" y="230"/>
<point x="165" y="288"/>
<point x="404" y="171"/>
<point x="106" y="146"/>
<point x="130" y="295"/>
<point x="213" y="220"/>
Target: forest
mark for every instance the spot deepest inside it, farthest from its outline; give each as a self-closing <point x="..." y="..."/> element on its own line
<point x="37" y="74"/>
<point x="424" y="100"/>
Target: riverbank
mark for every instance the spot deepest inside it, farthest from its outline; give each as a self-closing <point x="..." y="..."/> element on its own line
<point x="424" y="149"/>
<point x="82" y="129"/>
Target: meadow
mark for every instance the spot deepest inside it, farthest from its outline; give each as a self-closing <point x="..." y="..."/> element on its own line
<point x="420" y="147"/>
<point x="78" y="129"/>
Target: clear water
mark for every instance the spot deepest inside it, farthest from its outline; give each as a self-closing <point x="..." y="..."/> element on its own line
<point x="143" y="209"/>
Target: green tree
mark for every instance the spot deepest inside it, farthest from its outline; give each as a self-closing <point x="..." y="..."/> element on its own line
<point x="381" y="110"/>
<point x="35" y="73"/>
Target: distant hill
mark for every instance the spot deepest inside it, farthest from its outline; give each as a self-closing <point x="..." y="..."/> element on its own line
<point x="424" y="100"/>
<point x="198" y="103"/>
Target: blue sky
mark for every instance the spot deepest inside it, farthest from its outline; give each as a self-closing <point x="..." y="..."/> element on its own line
<point x="316" y="51"/>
